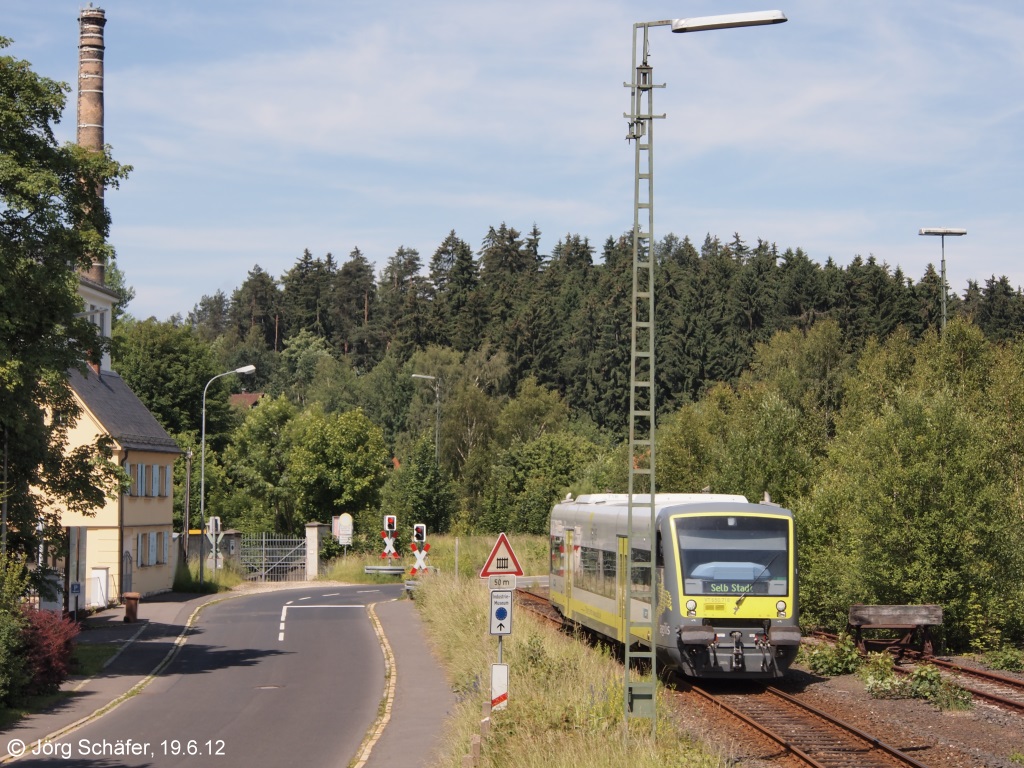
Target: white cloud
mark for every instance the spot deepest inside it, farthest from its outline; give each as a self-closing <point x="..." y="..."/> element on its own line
<point x="258" y="129"/>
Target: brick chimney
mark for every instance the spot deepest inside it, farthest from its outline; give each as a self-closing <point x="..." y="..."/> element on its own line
<point x="90" y="97"/>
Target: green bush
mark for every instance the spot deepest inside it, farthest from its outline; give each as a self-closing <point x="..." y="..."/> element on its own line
<point x="830" y="660"/>
<point x="1008" y="658"/>
<point x="14" y="581"/>
<point x="927" y="682"/>
<point x="12" y="658"/>
<point x="880" y="678"/>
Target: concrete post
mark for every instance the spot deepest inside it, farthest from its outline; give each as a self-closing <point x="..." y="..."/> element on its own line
<point x="314" y="534"/>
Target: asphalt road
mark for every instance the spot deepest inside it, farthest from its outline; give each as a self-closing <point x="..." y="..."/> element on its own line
<point x="273" y="679"/>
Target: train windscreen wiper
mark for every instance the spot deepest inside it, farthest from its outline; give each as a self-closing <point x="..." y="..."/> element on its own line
<point x="762" y="573"/>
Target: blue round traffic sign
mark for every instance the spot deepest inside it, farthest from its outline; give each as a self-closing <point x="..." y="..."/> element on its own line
<point x="501" y="614"/>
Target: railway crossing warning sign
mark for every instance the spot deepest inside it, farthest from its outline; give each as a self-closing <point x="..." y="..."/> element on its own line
<point x="501" y="567"/>
<point x="389" y="546"/>
<point x="420" y="553"/>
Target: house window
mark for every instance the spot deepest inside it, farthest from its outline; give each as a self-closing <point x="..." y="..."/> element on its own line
<point x="140" y="480"/>
<point x="152" y="548"/>
<point x="141" y="555"/>
<point x="162" y="479"/>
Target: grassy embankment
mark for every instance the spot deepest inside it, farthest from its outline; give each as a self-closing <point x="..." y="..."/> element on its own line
<point x="225" y="578"/>
<point x="565" y="697"/>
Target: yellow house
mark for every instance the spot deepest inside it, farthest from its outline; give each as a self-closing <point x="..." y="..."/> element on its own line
<point x="126" y="546"/>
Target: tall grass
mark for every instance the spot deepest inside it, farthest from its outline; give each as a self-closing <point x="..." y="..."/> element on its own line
<point x="226" y="577"/>
<point x="565" y="698"/>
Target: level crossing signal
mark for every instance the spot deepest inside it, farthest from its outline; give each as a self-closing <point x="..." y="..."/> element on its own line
<point x="419" y="548"/>
<point x="390" y="525"/>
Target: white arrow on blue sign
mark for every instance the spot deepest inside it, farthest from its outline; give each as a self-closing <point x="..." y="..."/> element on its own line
<point x="501" y="611"/>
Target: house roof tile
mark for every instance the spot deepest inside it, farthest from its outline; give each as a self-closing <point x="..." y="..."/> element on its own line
<point x="120" y="411"/>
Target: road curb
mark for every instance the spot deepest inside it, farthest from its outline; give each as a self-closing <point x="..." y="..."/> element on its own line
<point x="388" y="701"/>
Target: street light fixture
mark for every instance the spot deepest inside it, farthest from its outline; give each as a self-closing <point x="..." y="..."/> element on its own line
<point x="639" y="697"/>
<point x="943" y="232"/>
<point x="728" y="21"/>
<point x="244" y="370"/>
<point x="437" y="414"/>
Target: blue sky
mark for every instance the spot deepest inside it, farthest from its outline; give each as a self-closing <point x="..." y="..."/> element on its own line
<point x="258" y="129"/>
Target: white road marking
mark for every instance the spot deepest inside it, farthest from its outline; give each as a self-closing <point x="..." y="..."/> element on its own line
<point x="286" y="606"/>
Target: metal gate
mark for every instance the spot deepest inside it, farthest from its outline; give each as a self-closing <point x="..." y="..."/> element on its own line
<point x="268" y="557"/>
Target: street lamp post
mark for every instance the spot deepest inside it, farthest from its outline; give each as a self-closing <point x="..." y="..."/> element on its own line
<point x="943" y="232"/>
<point x="3" y="503"/>
<point x="188" y="497"/>
<point x="244" y="370"/>
<point x="639" y="696"/>
<point x="437" y="415"/>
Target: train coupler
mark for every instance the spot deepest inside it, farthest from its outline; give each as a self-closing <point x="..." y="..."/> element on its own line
<point x="738" y="664"/>
<point x="767" y="660"/>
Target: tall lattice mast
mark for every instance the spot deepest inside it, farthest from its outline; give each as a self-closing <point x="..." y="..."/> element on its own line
<point x="640" y="557"/>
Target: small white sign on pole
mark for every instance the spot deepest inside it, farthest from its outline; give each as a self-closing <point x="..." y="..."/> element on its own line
<point x="342" y="528"/>
<point x="499" y="686"/>
<point x="501" y="611"/>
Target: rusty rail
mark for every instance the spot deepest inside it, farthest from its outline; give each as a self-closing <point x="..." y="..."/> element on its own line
<point x="814" y="736"/>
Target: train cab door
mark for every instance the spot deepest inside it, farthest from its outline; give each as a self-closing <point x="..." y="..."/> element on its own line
<point x="622" y="585"/>
<point x="567" y="565"/>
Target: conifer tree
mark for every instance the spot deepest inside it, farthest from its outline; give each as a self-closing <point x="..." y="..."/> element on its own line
<point x="354" y="311"/>
<point x="306" y="295"/>
<point x="257" y="304"/>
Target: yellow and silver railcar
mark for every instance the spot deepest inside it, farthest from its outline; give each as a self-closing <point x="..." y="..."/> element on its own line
<point x="728" y="607"/>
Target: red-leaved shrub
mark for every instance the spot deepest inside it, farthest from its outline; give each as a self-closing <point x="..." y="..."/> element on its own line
<point x="49" y="643"/>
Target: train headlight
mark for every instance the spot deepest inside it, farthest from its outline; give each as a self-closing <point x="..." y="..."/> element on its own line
<point x="781" y="607"/>
<point x="691" y="607"/>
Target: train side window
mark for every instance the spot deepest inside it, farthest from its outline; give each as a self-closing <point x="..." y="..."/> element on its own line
<point x="557" y="559"/>
<point x="660" y="558"/>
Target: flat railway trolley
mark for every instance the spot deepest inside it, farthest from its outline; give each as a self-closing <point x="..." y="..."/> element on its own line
<point x="726" y="569"/>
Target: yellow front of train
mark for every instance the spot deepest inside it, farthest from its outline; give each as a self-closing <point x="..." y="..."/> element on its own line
<point x="731" y="570"/>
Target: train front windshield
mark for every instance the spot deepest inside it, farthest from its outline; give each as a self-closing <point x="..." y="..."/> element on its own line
<point x="726" y="555"/>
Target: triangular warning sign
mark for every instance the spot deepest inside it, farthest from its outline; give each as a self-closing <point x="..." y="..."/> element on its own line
<point x="502" y="560"/>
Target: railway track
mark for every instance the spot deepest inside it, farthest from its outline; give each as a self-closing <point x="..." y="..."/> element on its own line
<point x="992" y="687"/>
<point x="805" y="734"/>
<point x="539" y="606"/>
<point x="808" y="734"/>
<point x="1001" y="690"/>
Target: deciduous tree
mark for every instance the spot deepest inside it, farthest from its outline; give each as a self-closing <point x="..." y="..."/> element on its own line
<point x="52" y="224"/>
